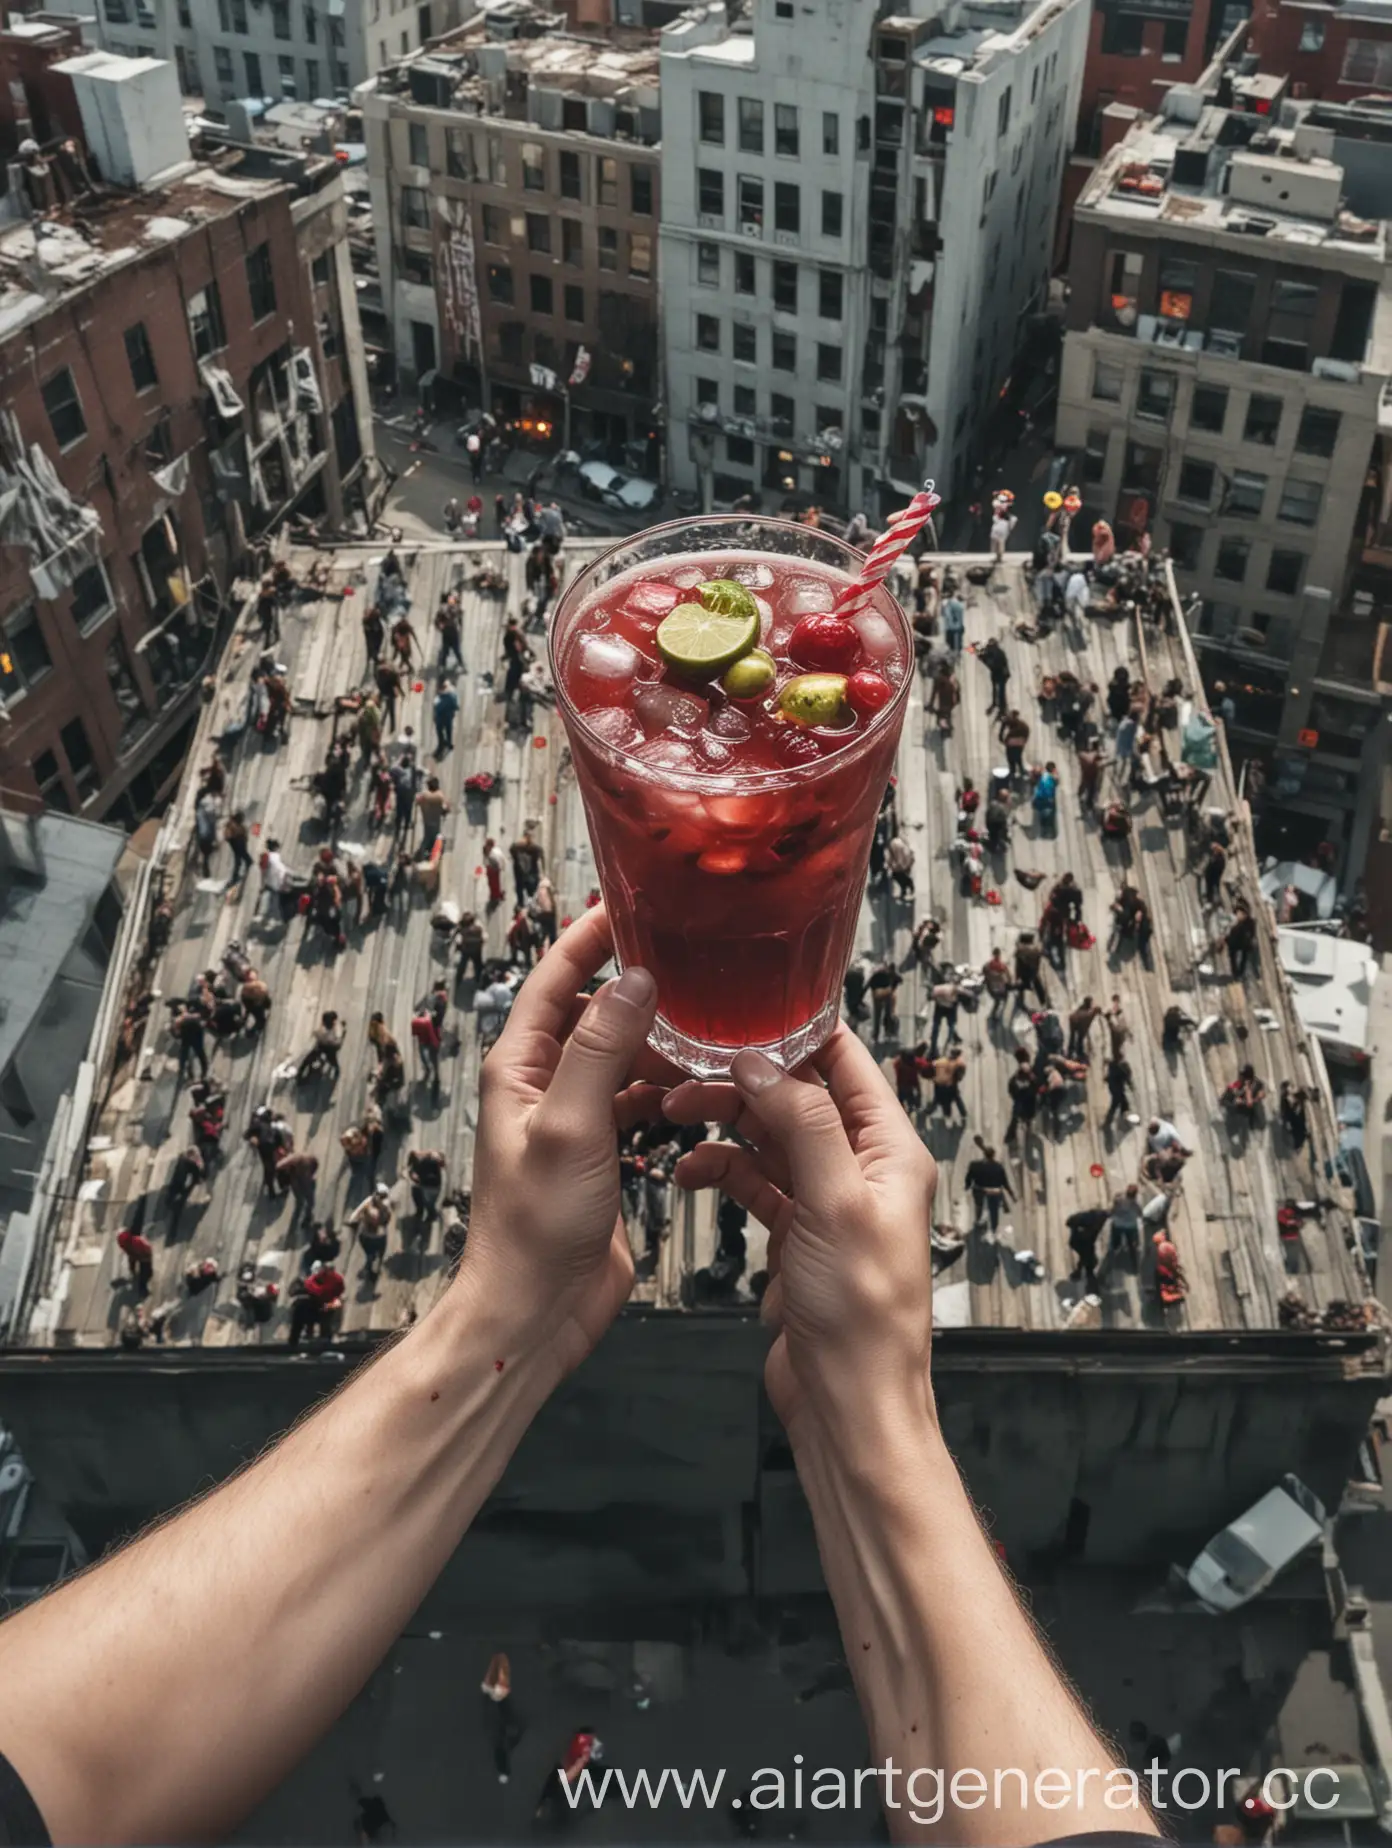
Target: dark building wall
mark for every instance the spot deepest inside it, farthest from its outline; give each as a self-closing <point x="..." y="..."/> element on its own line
<point x="35" y="102"/>
<point x="1134" y="1460"/>
<point x="73" y="708"/>
<point x="1327" y="54"/>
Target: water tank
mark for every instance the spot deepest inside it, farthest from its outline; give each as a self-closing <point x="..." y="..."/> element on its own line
<point x="132" y="115"/>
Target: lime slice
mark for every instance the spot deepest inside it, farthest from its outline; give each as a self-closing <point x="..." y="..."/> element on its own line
<point x="727" y="598"/>
<point x="814" y="699"/>
<point x="753" y="674"/>
<point x="703" y="640"/>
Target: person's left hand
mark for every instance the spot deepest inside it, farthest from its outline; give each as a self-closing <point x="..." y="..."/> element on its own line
<point x="546" y="1236"/>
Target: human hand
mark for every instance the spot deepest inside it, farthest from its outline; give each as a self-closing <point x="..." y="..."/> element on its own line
<point x="845" y="1188"/>
<point x="546" y="1236"/>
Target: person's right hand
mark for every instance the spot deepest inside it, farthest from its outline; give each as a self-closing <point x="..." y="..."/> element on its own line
<point x="835" y="1172"/>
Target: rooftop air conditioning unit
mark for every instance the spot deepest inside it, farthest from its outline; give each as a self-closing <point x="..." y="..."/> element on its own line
<point x="1344" y="370"/>
<point x="1249" y="638"/>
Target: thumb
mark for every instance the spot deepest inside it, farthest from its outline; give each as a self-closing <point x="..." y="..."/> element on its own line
<point x="596" y="1059"/>
<point x="803" y="1117"/>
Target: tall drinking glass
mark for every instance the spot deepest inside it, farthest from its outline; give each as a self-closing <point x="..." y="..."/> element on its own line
<point x="731" y="846"/>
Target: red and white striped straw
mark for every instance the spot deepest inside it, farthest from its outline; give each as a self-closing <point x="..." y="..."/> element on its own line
<point x="902" y="528"/>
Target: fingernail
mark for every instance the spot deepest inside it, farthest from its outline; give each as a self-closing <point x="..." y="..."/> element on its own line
<point x="636" y="987"/>
<point x="753" y="1071"/>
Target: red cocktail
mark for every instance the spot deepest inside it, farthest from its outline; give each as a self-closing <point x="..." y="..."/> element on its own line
<point x="733" y="738"/>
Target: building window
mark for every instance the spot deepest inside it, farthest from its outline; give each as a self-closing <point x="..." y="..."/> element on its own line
<point x="1263" y="420"/>
<point x="787" y="207"/>
<point x="751" y="125"/>
<point x="64" y="409"/>
<point x="640" y="255"/>
<point x="252" y="61"/>
<point x="785" y="287"/>
<point x="1122" y="34"/>
<point x="708" y="265"/>
<point x="1294" y="297"/>
<point x="785" y="130"/>
<point x="640" y="190"/>
<point x="1300" y="502"/>
<point x="710" y="117"/>
<point x="539" y="232"/>
<point x="1244" y="495"/>
<point x="78" y="752"/>
<point x="1196" y="483"/>
<point x="710" y="192"/>
<point x="280" y="18"/>
<point x="1156" y="396"/>
<point x="574" y="302"/>
<point x="572" y="242"/>
<point x="831" y="132"/>
<point x="140" y="358"/>
<point x="782" y="413"/>
<point x="784" y="352"/>
<point x="416" y="267"/>
<point x="608" y="181"/>
<point x="543" y="301"/>
<point x="746" y="401"/>
<point x="24" y="656"/>
<point x="828" y="362"/>
<point x="570" y="174"/>
<point x="1107" y="381"/>
<point x="831" y="214"/>
<point x="205" y="321"/>
<point x="708" y="392"/>
<point x="1283" y="572"/>
<point x="419" y="141"/>
<point x="745" y="344"/>
<point x="829" y="294"/>
<point x="1318" y="432"/>
<point x="260" y="281"/>
<point x="1230" y="301"/>
<point x="222" y="66"/>
<point x="311" y="77"/>
<point x="510" y="335"/>
<point x="1124" y="279"/>
<point x="1312" y="35"/>
<point x="1185" y="542"/>
<point x="533" y="167"/>
<point x="707" y="333"/>
<point x="1095" y="456"/>
<point x="1174" y="39"/>
<point x="91" y="598"/>
<point x="608" y="248"/>
<point x="1141" y="469"/>
<point x="740" y="449"/>
<point x="494" y="225"/>
<point x="500" y="282"/>
<point x="1209" y="410"/>
<point x="48" y="775"/>
<point x="415" y="208"/>
<point x="1179" y="278"/>
<point x="1003" y="115"/>
<point x="1231" y="562"/>
<point x="311" y="25"/>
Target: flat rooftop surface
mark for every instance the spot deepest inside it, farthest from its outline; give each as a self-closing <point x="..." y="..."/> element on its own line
<point x="1223" y="1219"/>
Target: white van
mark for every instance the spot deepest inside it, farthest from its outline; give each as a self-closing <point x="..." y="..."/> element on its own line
<point x="1241" y="1562"/>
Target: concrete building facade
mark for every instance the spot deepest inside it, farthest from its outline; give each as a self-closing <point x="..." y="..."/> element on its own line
<point x="515" y="191"/>
<point x="858" y="217"/>
<point x="182" y="369"/>
<point x="275" y="49"/>
<point x="1224" y="380"/>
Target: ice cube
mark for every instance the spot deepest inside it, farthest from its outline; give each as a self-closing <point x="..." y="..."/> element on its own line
<point x="765" y="609"/>
<point x="877" y="634"/>
<point x="663" y="709"/>
<point x="607" y="657"/>
<point x="614" y="725"/>
<point x="689" y="577"/>
<point x="731" y="724"/>
<point x="714" y="752"/>
<point x="755" y="575"/>
<point x="779" y="634"/>
<point x="808" y="597"/>
<point x="667" y="753"/>
<point x="649" y="603"/>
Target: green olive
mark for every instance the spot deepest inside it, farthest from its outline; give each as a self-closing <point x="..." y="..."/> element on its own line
<point x="754" y="673"/>
<point x="814" y="699"/>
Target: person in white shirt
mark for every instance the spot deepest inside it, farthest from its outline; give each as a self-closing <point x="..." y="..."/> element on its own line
<point x="1077" y="593"/>
<point x="1162" y="1135"/>
<point x="1001" y="528"/>
<point x="277" y="880"/>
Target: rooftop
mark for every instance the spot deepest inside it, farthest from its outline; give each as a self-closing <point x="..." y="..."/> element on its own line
<point x="1223" y="1219"/>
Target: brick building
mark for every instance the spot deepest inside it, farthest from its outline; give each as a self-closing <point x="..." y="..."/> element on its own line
<point x="178" y="356"/>
<point x="515" y="196"/>
<point x="1336" y="52"/>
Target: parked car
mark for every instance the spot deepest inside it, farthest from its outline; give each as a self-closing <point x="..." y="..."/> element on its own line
<point x="1241" y="1561"/>
<point x="597" y="479"/>
<point x="630" y="492"/>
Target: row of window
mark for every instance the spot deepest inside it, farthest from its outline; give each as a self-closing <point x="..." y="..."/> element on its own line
<point x="501" y="286"/>
<point x="255" y="85"/>
<point x="1285" y="569"/>
<point x="750" y="115"/>
<point x="593" y="179"/>
<point x="534" y="230"/>
<point x="784" y="285"/>
<point x="24" y="654"/>
<point x="749" y="203"/>
<point x="783" y="347"/>
<point x="541" y="293"/>
<point x="1317" y="433"/>
<point x="782" y="410"/>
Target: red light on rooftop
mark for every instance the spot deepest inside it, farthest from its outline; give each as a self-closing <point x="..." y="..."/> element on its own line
<point x="1263" y="105"/>
<point x="945" y="116"/>
<point x="341" y="155"/>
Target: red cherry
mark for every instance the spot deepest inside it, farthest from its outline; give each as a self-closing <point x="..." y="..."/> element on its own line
<point x="867" y="691"/>
<point x="825" y="643"/>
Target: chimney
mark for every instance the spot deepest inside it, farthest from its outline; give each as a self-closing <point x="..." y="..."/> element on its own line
<point x="1117" y="122"/>
<point x="132" y="115"/>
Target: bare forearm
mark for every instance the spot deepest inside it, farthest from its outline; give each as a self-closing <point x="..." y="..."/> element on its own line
<point x="241" y="1629"/>
<point x="952" y="1677"/>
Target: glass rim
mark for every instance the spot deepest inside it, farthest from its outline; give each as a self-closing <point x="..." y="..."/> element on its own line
<point x="725" y="783"/>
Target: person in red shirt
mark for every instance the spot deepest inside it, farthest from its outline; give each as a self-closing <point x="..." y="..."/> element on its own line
<point x="426" y="1033"/>
<point x="326" y="1285"/>
<point x="140" y="1255"/>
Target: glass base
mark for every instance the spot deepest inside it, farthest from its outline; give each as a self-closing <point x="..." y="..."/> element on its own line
<point x="705" y="1060"/>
